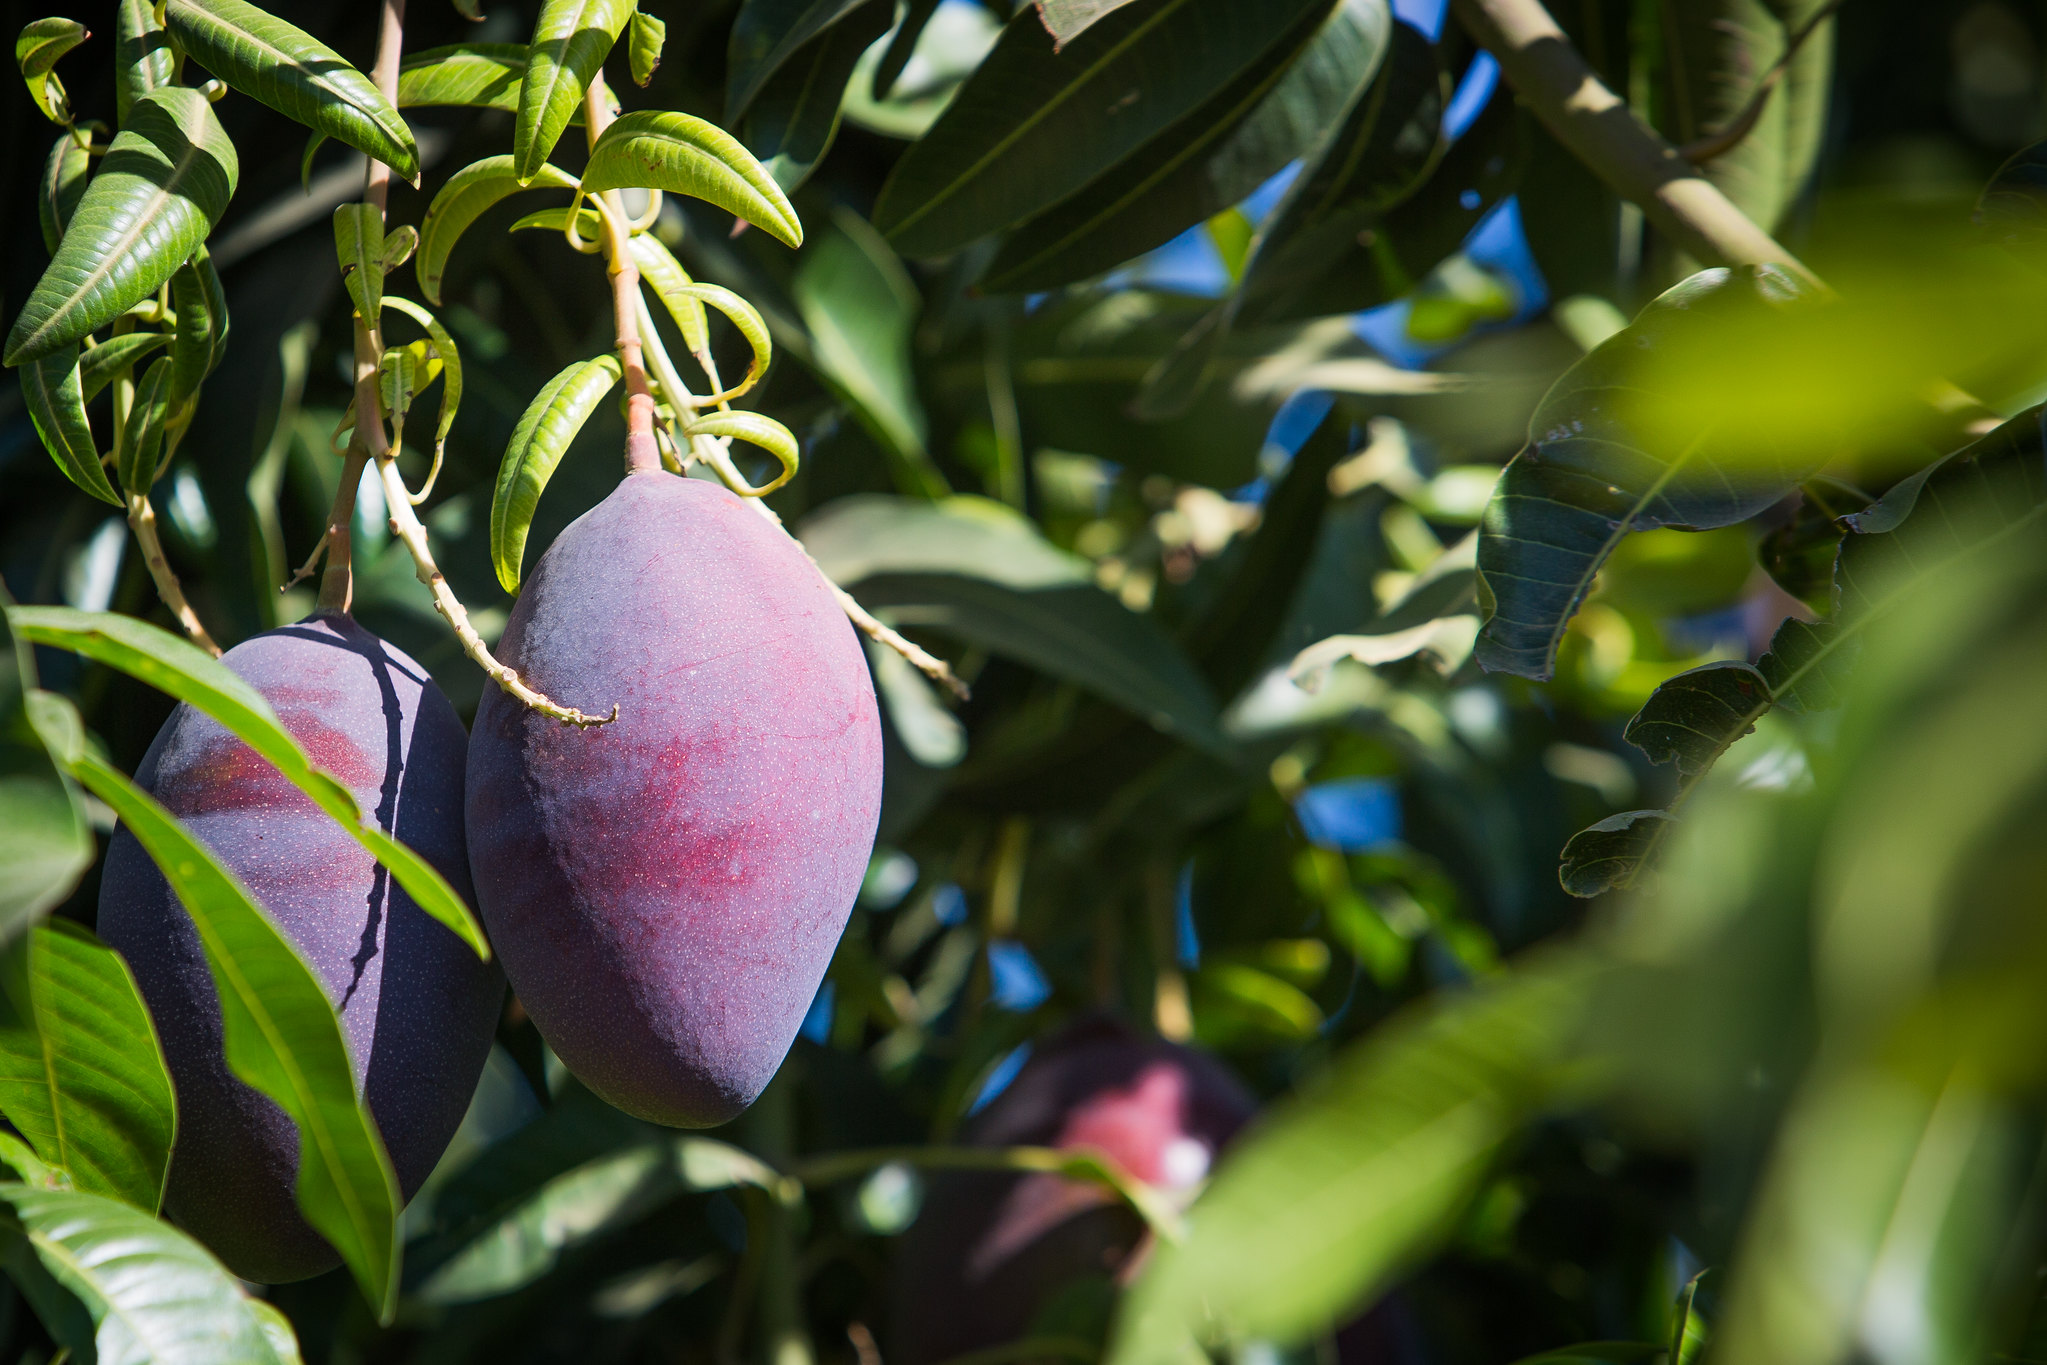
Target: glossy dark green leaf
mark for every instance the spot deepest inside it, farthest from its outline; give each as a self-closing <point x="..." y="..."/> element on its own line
<point x="294" y="73"/>
<point x="161" y="187"/>
<point x="1608" y="855"/>
<point x="45" y="844"/>
<point x="1273" y="112"/>
<point x="55" y="398"/>
<point x="916" y="15"/>
<point x="570" y="42"/>
<point x="645" y="35"/>
<point x="1068" y="19"/>
<point x="142" y="439"/>
<point x="106" y="362"/>
<point x="281" y="1037"/>
<point x="201" y="340"/>
<point x="1344" y="1186"/>
<point x="791" y="122"/>
<point x="84" y="1078"/>
<point x="116" y="1286"/>
<point x="36" y="50"/>
<point x="1610" y="455"/>
<point x="359" y="249"/>
<point x="768" y="33"/>
<point x="143" y="60"/>
<point x="545" y="431"/>
<point x="1032" y="126"/>
<point x="180" y="668"/>
<point x="467" y="195"/>
<point x="681" y="154"/>
<point x="63" y="184"/>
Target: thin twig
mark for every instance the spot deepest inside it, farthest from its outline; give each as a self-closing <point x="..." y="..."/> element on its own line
<point x="641" y="451"/>
<point x="1707" y="146"/>
<point x="142" y="521"/>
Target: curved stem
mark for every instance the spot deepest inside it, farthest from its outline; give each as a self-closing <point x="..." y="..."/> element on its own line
<point x="142" y="521"/>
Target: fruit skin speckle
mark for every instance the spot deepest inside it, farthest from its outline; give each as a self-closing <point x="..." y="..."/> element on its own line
<point x="663" y="900"/>
<point x="417" y="1008"/>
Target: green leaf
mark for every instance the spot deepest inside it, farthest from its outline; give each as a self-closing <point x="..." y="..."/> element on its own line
<point x="742" y="315"/>
<point x="1066" y="20"/>
<point x="467" y="195"/>
<point x="450" y="357"/>
<point x="1688" y="1328"/>
<point x="106" y="362"/>
<point x="161" y="187"/>
<point x="916" y="15"/>
<point x="142" y="439"/>
<point x="757" y="429"/>
<point x="1234" y="1000"/>
<point x="644" y="36"/>
<point x="659" y="268"/>
<point x="173" y="665"/>
<point x="467" y="75"/>
<point x="767" y="34"/>
<point x="1608" y="855"/>
<point x="1597" y="1353"/>
<point x="1273" y="112"/>
<point x="860" y="308"/>
<point x="85" y="1080"/>
<point x="680" y="154"/>
<point x="1342" y="1188"/>
<point x="543" y="436"/>
<point x="1693" y="718"/>
<point x="116" y="1286"/>
<point x="570" y="42"/>
<point x="143" y="60"/>
<point x="1032" y="125"/>
<point x="530" y="1237"/>
<point x="793" y="120"/>
<point x="872" y="534"/>
<point x="281" y="1037"/>
<point x="45" y="843"/>
<point x="201" y="340"/>
<point x="1610" y="453"/>
<point x="36" y="51"/>
<point x="294" y="73"/>
<point x="359" y="247"/>
<point x="63" y="184"/>
<point x="55" y="398"/>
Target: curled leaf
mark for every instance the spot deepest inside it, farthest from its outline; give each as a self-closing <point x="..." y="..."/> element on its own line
<point x="36" y="51"/>
<point x="643" y="46"/>
<point x="538" y="443"/>
<point x="681" y="154"/>
<point x="750" y="324"/>
<point x="659" y="268"/>
<point x="450" y="361"/>
<point x="757" y="429"/>
<point x="467" y="195"/>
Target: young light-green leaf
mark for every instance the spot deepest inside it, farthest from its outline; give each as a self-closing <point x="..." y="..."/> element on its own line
<point x="161" y="187"/>
<point x="63" y="184"/>
<point x="538" y="443"/>
<point x="294" y="73"/>
<point x="143" y="60"/>
<point x="201" y="339"/>
<point x="176" y="666"/>
<point x="756" y="429"/>
<point x="464" y="75"/>
<point x="84" y="1078"/>
<point x="359" y="247"/>
<point x="36" y="51"/>
<point x="106" y="362"/>
<point x="113" y="1284"/>
<point x="467" y="195"/>
<point x="451" y="366"/>
<point x="570" y="42"/>
<point x="645" y="35"/>
<point x="55" y="398"/>
<point x="659" y="268"/>
<point x="281" y="1037"/>
<point x="682" y="154"/>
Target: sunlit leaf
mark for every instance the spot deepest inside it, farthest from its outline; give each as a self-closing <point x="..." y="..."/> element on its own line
<point x="294" y="73"/>
<point x="467" y="195"/>
<point x="55" y="397"/>
<point x="468" y="75"/>
<point x="1068" y="19"/>
<point x="36" y="50"/>
<point x="543" y="436"/>
<point x="161" y="187"/>
<point x="681" y="154"/>
<point x="644" y="36"/>
<point x="756" y="429"/>
<point x="359" y="248"/>
<point x="570" y="41"/>
<point x="143" y="60"/>
<point x="450" y="357"/>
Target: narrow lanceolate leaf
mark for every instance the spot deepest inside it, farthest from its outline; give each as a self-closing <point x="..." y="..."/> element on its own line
<point x="467" y="75"/>
<point x="294" y="73"/>
<point x="201" y="339"/>
<point x="681" y="154"/>
<point x="465" y="198"/>
<point x="36" y="51"/>
<point x="757" y="429"/>
<point x="916" y="16"/>
<point x="538" y="443"/>
<point x="176" y="666"/>
<point x="1275" y="111"/>
<point x="645" y="35"/>
<point x="142" y="438"/>
<point x="1617" y="446"/>
<point x="281" y="1037"/>
<point x="451" y="366"/>
<point x="792" y="122"/>
<point x="570" y="42"/>
<point x="63" y="184"/>
<point x="143" y="61"/>
<point x="83" y="1076"/>
<point x="659" y="268"/>
<point x="112" y="358"/>
<point x="751" y="326"/>
<point x="768" y="33"/>
<point x="56" y="404"/>
<point x="161" y="187"/>
<point x="1031" y="125"/>
<point x="115" y="1285"/>
<point x="45" y="843"/>
<point x="359" y="248"/>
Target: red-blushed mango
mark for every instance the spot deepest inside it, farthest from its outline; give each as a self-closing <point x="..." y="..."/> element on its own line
<point x="417" y="1008"/>
<point x="667" y="890"/>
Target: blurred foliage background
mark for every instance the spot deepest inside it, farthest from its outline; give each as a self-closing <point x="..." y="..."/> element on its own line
<point x="1122" y="465"/>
